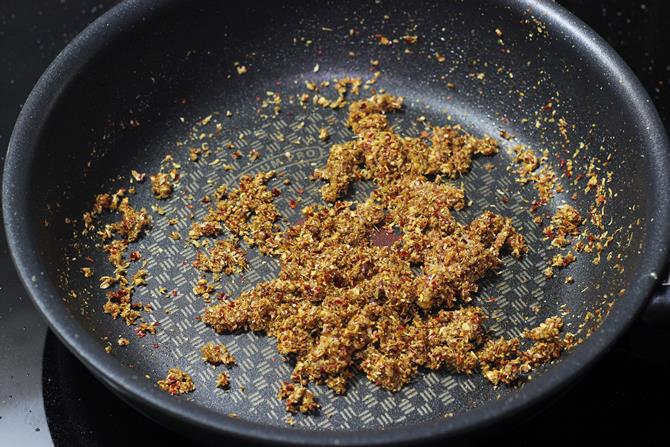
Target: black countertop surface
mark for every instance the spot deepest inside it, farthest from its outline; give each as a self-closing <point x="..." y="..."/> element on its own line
<point x="48" y="398"/>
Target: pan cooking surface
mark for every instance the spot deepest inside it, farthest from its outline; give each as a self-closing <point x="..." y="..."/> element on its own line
<point x="138" y="112"/>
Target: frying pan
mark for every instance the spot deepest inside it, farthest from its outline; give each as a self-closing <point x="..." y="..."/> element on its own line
<point x="138" y="80"/>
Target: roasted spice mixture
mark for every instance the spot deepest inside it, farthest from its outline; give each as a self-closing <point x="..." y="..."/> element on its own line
<point x="223" y="381"/>
<point x="340" y="300"/>
<point x="128" y="230"/>
<point x="162" y="184"/>
<point x="226" y="256"/>
<point x="297" y="398"/>
<point x="217" y="354"/>
<point x="249" y="213"/>
<point x="177" y="382"/>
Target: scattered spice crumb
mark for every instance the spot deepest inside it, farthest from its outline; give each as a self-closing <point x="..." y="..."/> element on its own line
<point x="223" y="380"/>
<point x="177" y="382"/>
<point x="297" y="398"/>
<point x="217" y="354"/>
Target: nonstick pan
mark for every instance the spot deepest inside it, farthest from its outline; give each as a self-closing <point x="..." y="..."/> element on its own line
<point x="133" y="87"/>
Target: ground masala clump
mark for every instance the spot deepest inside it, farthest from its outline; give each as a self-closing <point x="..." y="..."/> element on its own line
<point x="117" y="237"/>
<point x="297" y="398"/>
<point x="248" y="213"/>
<point x="342" y="301"/>
<point x="224" y="257"/>
<point x="177" y="382"/>
<point x="217" y="354"/>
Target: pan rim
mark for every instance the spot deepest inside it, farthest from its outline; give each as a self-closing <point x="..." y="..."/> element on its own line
<point x="46" y="298"/>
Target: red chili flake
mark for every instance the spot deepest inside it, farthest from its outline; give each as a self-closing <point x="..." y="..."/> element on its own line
<point x="600" y="199"/>
<point x="135" y="256"/>
<point x="536" y="204"/>
<point x="90" y="259"/>
<point x="155" y="345"/>
<point x="505" y="199"/>
<point x="292" y="204"/>
<point x="174" y="292"/>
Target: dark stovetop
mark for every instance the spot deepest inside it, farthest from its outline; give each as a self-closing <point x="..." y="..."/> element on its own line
<point x="48" y="398"/>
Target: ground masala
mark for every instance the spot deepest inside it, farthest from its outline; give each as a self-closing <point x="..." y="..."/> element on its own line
<point x="342" y="301"/>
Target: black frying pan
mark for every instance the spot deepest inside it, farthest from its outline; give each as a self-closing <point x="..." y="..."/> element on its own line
<point x="134" y="83"/>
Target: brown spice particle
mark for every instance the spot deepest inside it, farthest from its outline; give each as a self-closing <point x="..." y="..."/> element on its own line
<point x="146" y="328"/>
<point x="410" y="39"/>
<point x="217" y="354"/>
<point x="565" y="223"/>
<point x="161" y="185"/>
<point x="223" y="380"/>
<point x="139" y="177"/>
<point x="177" y="382"/>
<point x="203" y="288"/>
<point x="297" y="398"/>
<point x="225" y="257"/>
<point x="561" y="261"/>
